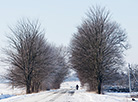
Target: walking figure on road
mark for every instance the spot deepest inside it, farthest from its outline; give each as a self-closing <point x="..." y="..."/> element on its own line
<point x="77" y="87"/>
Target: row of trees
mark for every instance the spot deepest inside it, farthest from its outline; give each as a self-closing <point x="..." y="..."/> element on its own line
<point x="97" y="49"/>
<point x="34" y="63"/>
<point x="133" y="75"/>
<point x="96" y="54"/>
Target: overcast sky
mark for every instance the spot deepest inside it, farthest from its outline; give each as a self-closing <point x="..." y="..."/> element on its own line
<point x="60" y="18"/>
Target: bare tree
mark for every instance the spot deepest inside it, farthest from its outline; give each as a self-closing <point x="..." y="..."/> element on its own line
<point x="60" y="69"/>
<point x="133" y="70"/>
<point x="97" y="48"/>
<point x="29" y="56"/>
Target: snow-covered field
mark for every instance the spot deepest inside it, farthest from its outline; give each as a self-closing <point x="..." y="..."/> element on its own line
<point x="6" y="89"/>
<point x="66" y="93"/>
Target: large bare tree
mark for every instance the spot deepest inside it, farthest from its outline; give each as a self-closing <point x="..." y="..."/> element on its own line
<point x="97" y="48"/>
<point x="29" y="56"/>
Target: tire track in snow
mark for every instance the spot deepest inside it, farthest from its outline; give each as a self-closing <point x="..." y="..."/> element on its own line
<point x="45" y="97"/>
<point x="52" y="96"/>
<point x="66" y="97"/>
<point x="62" y="92"/>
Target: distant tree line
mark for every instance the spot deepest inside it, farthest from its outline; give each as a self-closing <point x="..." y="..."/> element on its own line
<point x="134" y="77"/>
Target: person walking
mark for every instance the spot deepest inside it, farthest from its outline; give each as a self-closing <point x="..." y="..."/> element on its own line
<point x="77" y="87"/>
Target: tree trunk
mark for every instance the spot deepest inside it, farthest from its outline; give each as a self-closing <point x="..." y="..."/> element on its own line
<point x="28" y="89"/>
<point x="99" y="86"/>
<point x="32" y="87"/>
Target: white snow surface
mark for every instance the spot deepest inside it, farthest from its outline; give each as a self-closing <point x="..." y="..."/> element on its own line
<point x="5" y="88"/>
<point x="66" y="93"/>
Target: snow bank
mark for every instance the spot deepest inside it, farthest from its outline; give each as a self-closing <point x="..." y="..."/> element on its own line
<point x="5" y="96"/>
<point x="6" y="89"/>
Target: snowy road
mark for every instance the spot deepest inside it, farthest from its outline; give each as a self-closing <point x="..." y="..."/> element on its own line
<point x="66" y="95"/>
<point x="62" y="95"/>
<point x="47" y="97"/>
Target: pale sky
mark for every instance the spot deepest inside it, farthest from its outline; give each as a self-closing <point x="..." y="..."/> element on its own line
<point x="60" y="18"/>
